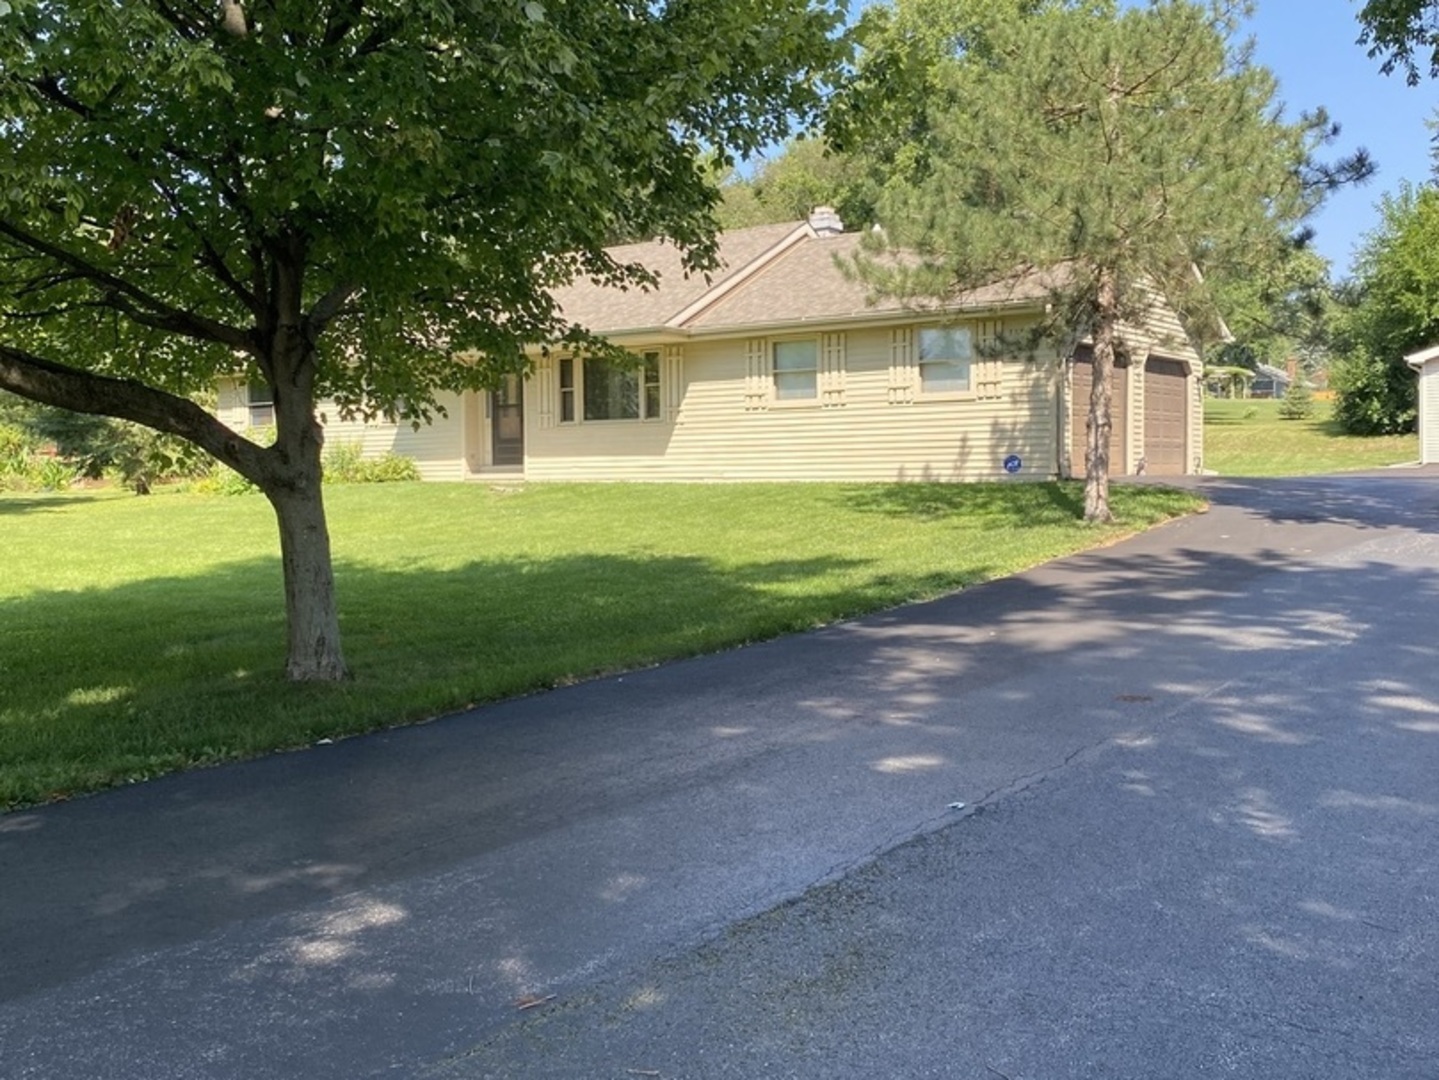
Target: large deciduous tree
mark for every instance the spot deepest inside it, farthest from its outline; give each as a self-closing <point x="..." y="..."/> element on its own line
<point x="340" y="197"/>
<point x="1110" y="150"/>
<point x="1395" y="29"/>
<point x="1392" y="310"/>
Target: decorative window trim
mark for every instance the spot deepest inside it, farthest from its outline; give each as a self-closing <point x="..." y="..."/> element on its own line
<point x="988" y="368"/>
<point x="672" y="381"/>
<point x="902" y="374"/>
<point x="546" y="390"/>
<point x="832" y="363"/>
<point x="759" y="378"/>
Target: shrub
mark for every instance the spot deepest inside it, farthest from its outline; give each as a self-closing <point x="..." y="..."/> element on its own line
<point x="1374" y="396"/>
<point x="345" y="464"/>
<point x="24" y="467"/>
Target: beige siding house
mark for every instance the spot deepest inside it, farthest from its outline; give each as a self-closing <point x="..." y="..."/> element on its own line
<point x="780" y="367"/>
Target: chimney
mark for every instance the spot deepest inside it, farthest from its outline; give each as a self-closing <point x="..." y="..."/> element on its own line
<point x="824" y="220"/>
<point x="1291" y="368"/>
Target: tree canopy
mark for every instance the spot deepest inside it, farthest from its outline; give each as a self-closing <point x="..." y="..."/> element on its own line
<point x="342" y="198"/>
<point x="1122" y="146"/>
<point x="790" y="182"/>
<point x="1393" y="310"/>
<point x="1400" y="32"/>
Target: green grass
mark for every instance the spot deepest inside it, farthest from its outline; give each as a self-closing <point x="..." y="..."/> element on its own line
<point x="143" y="635"/>
<point x="1248" y="438"/>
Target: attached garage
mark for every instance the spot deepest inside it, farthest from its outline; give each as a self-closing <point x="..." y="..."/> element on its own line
<point x="1426" y="362"/>
<point x="1081" y="382"/>
<point x="1166" y="417"/>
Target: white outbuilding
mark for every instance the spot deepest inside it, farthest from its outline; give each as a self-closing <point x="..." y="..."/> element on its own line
<point x="1427" y="363"/>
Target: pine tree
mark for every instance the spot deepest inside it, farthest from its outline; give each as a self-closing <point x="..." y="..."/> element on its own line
<point x="1113" y="149"/>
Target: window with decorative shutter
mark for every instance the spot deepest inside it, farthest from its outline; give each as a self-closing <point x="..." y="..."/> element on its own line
<point x="673" y="381"/>
<point x="989" y="363"/>
<point x="545" y="390"/>
<point x="901" y="365"/>
<point x="759" y="380"/>
<point x="831" y="370"/>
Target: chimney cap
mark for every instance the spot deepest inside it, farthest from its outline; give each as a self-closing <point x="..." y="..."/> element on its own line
<point x="825" y="221"/>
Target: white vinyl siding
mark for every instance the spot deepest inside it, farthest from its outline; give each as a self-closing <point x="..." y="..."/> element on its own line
<point x="437" y="448"/>
<point x="1429" y="413"/>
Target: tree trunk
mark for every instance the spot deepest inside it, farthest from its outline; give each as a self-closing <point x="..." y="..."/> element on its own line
<point x="296" y="492"/>
<point x="1100" y="422"/>
<point x="314" y="653"/>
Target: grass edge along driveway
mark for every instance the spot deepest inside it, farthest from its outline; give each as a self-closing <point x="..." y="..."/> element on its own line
<point x="146" y="635"/>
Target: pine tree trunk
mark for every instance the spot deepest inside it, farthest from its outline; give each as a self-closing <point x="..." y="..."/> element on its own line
<point x="1101" y="422"/>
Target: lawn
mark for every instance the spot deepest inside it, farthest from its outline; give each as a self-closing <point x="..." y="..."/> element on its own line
<point x="1248" y="438"/>
<point x="143" y="635"/>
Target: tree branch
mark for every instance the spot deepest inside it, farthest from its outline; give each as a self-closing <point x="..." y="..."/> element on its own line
<point x="70" y="388"/>
<point x="211" y="256"/>
<point x="155" y="311"/>
<point x="327" y="307"/>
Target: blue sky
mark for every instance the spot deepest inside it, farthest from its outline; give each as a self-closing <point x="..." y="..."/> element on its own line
<point x="1311" y="46"/>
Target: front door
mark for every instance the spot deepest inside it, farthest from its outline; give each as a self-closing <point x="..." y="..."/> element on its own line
<point x="507" y="422"/>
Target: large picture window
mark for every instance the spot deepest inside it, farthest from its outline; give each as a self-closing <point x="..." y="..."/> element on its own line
<point x="945" y="357"/>
<point x="606" y="390"/>
<point x="796" y="370"/>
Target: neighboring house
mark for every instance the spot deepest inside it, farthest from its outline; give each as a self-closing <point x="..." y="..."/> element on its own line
<point x="1270" y="382"/>
<point x="779" y="367"/>
<point x="1426" y="362"/>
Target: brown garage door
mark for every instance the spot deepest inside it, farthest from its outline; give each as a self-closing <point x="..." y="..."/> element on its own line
<point x="1081" y="379"/>
<point x="1166" y="417"/>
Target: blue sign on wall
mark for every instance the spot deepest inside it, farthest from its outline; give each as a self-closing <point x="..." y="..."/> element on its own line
<point x="1013" y="464"/>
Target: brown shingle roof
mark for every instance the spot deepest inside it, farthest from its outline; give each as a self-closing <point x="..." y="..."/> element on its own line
<point x="605" y="309"/>
<point x="765" y="281"/>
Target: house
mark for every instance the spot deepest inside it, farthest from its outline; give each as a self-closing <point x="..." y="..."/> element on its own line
<point x="1426" y="362"/>
<point x="779" y="366"/>
<point x="1270" y="382"/>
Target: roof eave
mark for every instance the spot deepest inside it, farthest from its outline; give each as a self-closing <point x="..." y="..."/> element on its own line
<point x="870" y="318"/>
<point x="1423" y="356"/>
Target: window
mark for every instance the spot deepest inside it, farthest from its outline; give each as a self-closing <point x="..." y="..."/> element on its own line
<point x="262" y="404"/>
<point x="944" y="360"/>
<point x="796" y="370"/>
<point x="567" y="390"/>
<point x="608" y="390"/>
<point x="650" y="377"/>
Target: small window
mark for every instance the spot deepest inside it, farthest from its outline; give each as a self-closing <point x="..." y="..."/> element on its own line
<point x="651" y="375"/>
<point x="567" y="390"/>
<point x="261" y="400"/>
<point x="796" y="370"/>
<point x="945" y="356"/>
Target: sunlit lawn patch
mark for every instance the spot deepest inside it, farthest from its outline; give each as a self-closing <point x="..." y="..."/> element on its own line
<point x="1248" y="438"/>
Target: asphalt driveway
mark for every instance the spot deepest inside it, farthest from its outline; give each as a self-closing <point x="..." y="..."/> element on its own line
<point x="1169" y="809"/>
